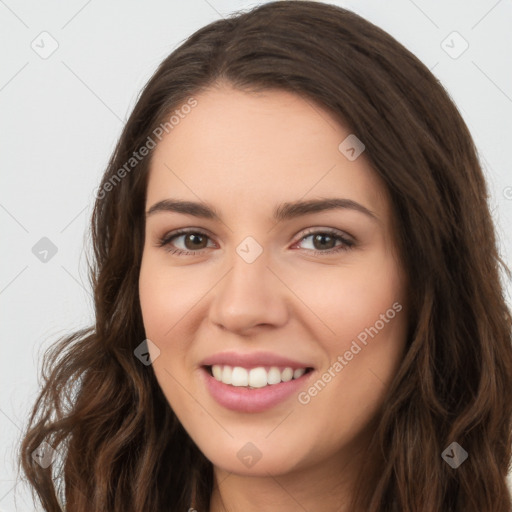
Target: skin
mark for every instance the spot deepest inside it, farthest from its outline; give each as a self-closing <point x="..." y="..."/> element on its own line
<point x="244" y="154"/>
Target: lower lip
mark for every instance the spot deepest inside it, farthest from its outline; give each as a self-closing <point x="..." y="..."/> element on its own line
<point x="243" y="399"/>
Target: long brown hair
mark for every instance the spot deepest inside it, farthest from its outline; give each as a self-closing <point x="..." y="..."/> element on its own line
<point x="119" y="444"/>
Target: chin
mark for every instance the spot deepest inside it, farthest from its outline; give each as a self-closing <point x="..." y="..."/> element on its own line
<point x="253" y="459"/>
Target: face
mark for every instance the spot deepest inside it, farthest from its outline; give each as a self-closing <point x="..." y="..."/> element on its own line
<point x="288" y="261"/>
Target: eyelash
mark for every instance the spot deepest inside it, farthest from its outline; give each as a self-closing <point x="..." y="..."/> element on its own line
<point x="346" y="243"/>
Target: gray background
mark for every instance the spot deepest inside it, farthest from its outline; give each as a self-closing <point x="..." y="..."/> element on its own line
<point x="61" y="116"/>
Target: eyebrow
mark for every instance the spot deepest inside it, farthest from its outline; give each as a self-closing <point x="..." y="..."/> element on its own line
<point x="285" y="211"/>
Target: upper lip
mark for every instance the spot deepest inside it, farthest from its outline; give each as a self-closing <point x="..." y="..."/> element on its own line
<point x="252" y="360"/>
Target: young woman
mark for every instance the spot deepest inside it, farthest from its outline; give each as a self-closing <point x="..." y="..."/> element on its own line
<point x="297" y="290"/>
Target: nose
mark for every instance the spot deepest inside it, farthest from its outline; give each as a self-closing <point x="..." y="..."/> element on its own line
<point x="249" y="296"/>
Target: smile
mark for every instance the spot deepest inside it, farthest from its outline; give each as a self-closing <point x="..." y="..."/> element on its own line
<point x="240" y="396"/>
<point x="258" y="377"/>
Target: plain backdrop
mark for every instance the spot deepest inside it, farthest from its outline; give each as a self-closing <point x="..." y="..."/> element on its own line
<point x="62" y="112"/>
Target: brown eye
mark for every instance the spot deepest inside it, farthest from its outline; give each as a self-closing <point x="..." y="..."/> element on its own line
<point x="323" y="241"/>
<point x="194" y="241"/>
<point x="326" y="242"/>
<point x="184" y="242"/>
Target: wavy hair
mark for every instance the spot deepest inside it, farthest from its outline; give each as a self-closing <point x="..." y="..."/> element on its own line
<point x="119" y="445"/>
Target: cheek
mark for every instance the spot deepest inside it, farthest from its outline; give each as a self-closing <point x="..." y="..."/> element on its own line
<point x="364" y="309"/>
<point x="171" y="305"/>
<point x="373" y="327"/>
<point x="165" y="298"/>
<point x="349" y="299"/>
<point x="164" y="303"/>
<point x="363" y="361"/>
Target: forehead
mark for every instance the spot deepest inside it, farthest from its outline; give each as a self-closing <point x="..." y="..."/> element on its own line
<point x="245" y="149"/>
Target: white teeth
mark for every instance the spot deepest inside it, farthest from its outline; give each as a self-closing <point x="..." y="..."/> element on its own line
<point x="226" y="374"/>
<point x="299" y="372"/>
<point x="287" y="374"/>
<point x="239" y="377"/>
<point x="255" y="377"/>
<point x="217" y="371"/>
<point x="274" y="375"/>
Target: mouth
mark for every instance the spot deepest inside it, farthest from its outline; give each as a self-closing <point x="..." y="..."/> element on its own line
<point x="256" y="377"/>
<point x="256" y="389"/>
